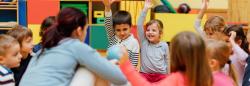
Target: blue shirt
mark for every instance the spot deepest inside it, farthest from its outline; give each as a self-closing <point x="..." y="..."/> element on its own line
<point x="56" y="66"/>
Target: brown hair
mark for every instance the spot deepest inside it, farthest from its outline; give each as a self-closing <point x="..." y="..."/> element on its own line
<point x="215" y="24"/>
<point x="220" y="51"/>
<point x="20" y="33"/>
<point x="6" y="42"/>
<point x="158" y="22"/>
<point x="188" y="55"/>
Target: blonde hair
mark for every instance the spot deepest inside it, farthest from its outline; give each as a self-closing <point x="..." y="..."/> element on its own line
<point x="220" y="51"/>
<point x="6" y="42"/>
<point x="158" y="22"/>
<point x="215" y="24"/>
<point x="188" y="55"/>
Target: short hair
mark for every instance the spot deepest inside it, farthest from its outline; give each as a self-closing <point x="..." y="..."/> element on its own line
<point x="122" y="17"/>
<point x="20" y="33"/>
<point x="6" y="42"/>
<point x="158" y="22"/>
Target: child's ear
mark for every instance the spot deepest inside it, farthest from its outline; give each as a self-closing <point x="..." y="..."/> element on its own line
<point x="79" y="31"/>
<point x="213" y="64"/>
<point x="2" y="59"/>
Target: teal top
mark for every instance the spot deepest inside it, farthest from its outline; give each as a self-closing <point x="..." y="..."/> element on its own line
<point x="57" y="65"/>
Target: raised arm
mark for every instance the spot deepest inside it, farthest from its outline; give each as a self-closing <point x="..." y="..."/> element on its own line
<point x="201" y="13"/>
<point x="108" y="22"/>
<point x="241" y="54"/>
<point x="141" y="20"/>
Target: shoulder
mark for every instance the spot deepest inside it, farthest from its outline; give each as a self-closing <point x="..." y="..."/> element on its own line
<point x="5" y="71"/>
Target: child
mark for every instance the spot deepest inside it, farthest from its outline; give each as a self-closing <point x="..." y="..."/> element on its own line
<point x="63" y="50"/>
<point x="10" y="57"/>
<point x="47" y="22"/>
<point x="189" y="65"/>
<point x="240" y="36"/>
<point x="24" y="38"/>
<point x="153" y="52"/>
<point x="118" y="28"/>
<point x="218" y="53"/>
<point x="239" y="56"/>
<point x="213" y="25"/>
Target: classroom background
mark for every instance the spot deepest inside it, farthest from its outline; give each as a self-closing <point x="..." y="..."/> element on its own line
<point x="30" y="13"/>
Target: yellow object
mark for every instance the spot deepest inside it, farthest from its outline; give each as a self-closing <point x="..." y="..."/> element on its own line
<point x="98" y="14"/>
<point x="134" y="8"/>
<point x="175" y="23"/>
<point x="35" y="28"/>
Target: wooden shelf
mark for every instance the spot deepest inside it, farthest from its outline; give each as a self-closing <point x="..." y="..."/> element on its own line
<point x="5" y="28"/>
<point x="74" y="0"/>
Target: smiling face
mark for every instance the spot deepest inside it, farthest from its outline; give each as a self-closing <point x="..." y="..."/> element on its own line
<point x="153" y="33"/>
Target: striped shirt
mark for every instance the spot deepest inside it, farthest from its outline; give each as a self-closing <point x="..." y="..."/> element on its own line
<point x="130" y="43"/>
<point x="6" y="77"/>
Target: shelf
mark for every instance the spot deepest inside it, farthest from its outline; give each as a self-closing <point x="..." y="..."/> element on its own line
<point x="74" y="0"/>
<point x="3" y="28"/>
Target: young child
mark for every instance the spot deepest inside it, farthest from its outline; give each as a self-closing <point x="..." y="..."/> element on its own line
<point x="63" y="51"/>
<point x="10" y="57"/>
<point x="118" y="30"/>
<point x="24" y="38"/>
<point x="240" y="38"/>
<point x="218" y="53"/>
<point x="189" y="65"/>
<point x="213" y="25"/>
<point x="47" y="22"/>
<point x="153" y="51"/>
<point x="239" y="56"/>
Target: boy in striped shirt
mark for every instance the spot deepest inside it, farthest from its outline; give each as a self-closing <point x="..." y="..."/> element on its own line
<point x="118" y="29"/>
<point x="10" y="57"/>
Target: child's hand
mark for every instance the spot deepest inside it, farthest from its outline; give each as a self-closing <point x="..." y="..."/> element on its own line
<point x="204" y="4"/>
<point x="107" y="3"/>
<point x="124" y="57"/>
<point x="232" y="36"/>
<point x="148" y="4"/>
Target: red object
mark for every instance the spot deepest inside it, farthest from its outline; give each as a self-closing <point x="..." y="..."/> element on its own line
<point x="40" y="9"/>
<point x="153" y="77"/>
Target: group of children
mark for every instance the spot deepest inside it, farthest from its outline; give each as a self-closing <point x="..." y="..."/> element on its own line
<point x="216" y="56"/>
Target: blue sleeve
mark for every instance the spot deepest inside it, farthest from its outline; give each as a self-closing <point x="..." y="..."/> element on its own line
<point x="92" y="60"/>
<point x="140" y="27"/>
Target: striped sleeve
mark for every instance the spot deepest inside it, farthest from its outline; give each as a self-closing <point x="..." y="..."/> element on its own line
<point x="133" y="57"/>
<point x="6" y="77"/>
<point x="109" y="29"/>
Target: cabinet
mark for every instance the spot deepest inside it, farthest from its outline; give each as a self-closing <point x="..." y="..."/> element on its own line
<point x="94" y="9"/>
<point x="8" y="14"/>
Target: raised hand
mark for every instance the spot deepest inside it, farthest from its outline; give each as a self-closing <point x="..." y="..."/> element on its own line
<point x="147" y="5"/>
<point x="107" y="4"/>
<point x="232" y="36"/>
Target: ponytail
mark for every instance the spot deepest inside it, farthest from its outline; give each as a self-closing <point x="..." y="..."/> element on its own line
<point x="232" y="73"/>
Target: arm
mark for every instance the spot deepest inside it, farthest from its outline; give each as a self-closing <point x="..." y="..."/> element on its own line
<point x="141" y="21"/>
<point x="109" y="23"/>
<point x="133" y="76"/>
<point x="201" y="13"/>
<point x="92" y="60"/>
<point x="241" y="54"/>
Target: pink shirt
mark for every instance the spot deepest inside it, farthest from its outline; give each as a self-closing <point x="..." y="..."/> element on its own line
<point x="173" y="79"/>
<point x="221" y="79"/>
